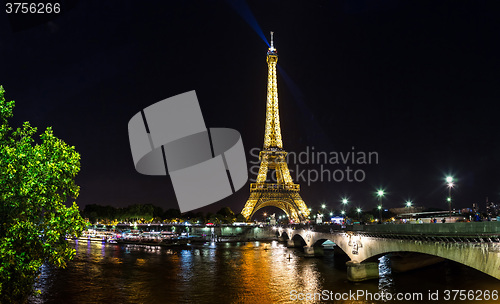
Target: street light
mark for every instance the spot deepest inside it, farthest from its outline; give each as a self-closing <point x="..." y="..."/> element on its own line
<point x="449" y="180"/>
<point x="408" y="205"/>
<point x="379" y="207"/>
<point x="323" y="206"/>
<point x="380" y="194"/>
<point x="344" y="203"/>
<point x="358" y="211"/>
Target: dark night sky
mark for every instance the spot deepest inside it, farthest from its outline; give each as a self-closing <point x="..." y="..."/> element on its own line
<point x="415" y="81"/>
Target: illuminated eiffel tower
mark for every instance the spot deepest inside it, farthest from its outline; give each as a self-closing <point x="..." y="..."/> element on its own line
<point x="284" y="194"/>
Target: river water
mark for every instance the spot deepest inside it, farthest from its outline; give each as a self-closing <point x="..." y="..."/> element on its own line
<point x="252" y="272"/>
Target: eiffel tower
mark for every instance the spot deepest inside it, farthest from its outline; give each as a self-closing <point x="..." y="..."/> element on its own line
<point x="284" y="194"/>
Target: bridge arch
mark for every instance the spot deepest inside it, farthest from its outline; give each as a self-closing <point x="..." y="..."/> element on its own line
<point x="478" y="256"/>
<point x="319" y="242"/>
<point x="484" y="257"/>
<point x="284" y="235"/>
<point x="299" y="240"/>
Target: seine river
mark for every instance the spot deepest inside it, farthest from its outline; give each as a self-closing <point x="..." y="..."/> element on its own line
<point x="250" y="272"/>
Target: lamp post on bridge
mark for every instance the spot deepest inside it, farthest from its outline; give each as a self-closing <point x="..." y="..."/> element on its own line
<point x="344" y="205"/>
<point x="380" y="194"/>
<point x="408" y="205"/>
<point x="358" y="210"/>
<point x="449" y="181"/>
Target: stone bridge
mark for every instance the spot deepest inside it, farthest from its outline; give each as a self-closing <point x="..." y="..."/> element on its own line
<point x="476" y="245"/>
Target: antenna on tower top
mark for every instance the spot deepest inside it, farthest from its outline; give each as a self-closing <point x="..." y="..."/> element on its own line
<point x="272" y="42"/>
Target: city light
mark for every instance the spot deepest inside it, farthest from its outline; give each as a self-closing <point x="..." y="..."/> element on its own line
<point x="408" y="204"/>
<point x="380" y="194"/>
<point x="358" y="210"/>
<point x="449" y="180"/>
<point x="323" y="206"/>
<point x="344" y="201"/>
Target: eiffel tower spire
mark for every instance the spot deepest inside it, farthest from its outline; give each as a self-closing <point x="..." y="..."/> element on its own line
<point x="283" y="194"/>
<point x="272" y="137"/>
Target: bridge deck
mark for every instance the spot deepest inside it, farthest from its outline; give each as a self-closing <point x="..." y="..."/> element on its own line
<point x="451" y="229"/>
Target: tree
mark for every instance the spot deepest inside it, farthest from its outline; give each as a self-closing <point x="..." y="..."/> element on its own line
<point x="368" y="218"/>
<point x="36" y="179"/>
<point x="241" y="218"/>
<point x="226" y="215"/>
<point x="226" y="212"/>
<point x="171" y="214"/>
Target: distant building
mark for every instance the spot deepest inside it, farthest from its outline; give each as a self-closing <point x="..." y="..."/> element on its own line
<point x="466" y="210"/>
<point x="475" y="208"/>
<point x="492" y="209"/>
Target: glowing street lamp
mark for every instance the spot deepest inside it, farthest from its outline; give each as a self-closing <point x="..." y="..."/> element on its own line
<point x="449" y="181"/>
<point x="358" y="210"/>
<point x="344" y="204"/>
<point x="323" y="206"/>
<point x="380" y="194"/>
<point x="408" y="205"/>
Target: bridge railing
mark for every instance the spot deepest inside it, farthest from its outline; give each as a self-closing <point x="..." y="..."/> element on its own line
<point x="453" y="229"/>
<point x="486" y="229"/>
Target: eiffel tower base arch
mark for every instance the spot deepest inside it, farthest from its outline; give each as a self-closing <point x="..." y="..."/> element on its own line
<point x="291" y="203"/>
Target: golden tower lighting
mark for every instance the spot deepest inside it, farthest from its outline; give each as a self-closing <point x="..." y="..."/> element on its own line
<point x="283" y="194"/>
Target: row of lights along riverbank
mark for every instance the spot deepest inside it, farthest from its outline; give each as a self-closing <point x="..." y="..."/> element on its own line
<point x="380" y="194"/>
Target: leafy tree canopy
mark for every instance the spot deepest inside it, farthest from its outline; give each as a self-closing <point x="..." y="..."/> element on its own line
<point x="226" y="212"/>
<point x="36" y="180"/>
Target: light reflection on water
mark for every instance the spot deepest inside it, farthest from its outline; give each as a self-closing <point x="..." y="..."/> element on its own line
<point x="229" y="273"/>
<point x="385" y="281"/>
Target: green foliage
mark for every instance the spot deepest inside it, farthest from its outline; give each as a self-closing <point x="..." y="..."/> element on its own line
<point x="36" y="179"/>
<point x="134" y="213"/>
<point x="226" y="212"/>
<point x="368" y="217"/>
<point x="225" y="216"/>
<point x="240" y="218"/>
<point x="172" y="214"/>
<point x="144" y="213"/>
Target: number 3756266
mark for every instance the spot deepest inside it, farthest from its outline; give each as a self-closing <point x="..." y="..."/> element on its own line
<point x="32" y="8"/>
